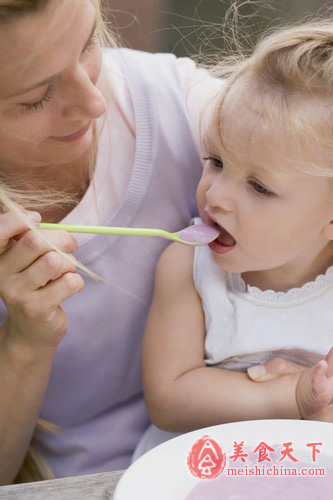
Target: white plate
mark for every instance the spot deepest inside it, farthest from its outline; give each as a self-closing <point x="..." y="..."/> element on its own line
<point x="163" y="474"/>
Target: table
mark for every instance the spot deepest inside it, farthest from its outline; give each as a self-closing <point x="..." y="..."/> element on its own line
<point x="90" y="487"/>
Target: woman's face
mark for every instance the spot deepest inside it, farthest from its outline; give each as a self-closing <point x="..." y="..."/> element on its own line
<point x="50" y="63"/>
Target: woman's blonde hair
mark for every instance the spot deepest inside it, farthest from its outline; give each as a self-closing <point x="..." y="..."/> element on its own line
<point x="34" y="467"/>
<point x="287" y="80"/>
<point x="31" y="197"/>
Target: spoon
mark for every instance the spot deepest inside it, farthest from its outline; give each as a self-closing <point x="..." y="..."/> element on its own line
<point x="198" y="234"/>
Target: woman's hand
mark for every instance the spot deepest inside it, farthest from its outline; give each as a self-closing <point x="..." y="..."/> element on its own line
<point x="275" y="367"/>
<point x="34" y="281"/>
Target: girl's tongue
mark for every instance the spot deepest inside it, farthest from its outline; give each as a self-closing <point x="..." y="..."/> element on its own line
<point x="225" y="239"/>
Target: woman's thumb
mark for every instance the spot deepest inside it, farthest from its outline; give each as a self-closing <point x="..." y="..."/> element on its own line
<point x="272" y="369"/>
<point x="258" y="373"/>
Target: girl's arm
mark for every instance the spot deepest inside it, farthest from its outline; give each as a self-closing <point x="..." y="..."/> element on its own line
<point x="182" y="393"/>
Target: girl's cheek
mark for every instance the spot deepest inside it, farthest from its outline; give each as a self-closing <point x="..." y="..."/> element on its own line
<point x="201" y="193"/>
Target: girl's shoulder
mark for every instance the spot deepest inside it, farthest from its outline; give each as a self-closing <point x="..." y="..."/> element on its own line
<point x="175" y="265"/>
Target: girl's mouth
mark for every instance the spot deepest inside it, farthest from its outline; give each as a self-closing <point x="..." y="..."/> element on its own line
<point x="224" y="242"/>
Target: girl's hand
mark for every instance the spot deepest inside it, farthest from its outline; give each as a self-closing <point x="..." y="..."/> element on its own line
<point x="314" y="391"/>
<point x="34" y="281"/>
<point x="325" y="415"/>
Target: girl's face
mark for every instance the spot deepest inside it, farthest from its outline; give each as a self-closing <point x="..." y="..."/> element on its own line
<point x="273" y="216"/>
<point x="49" y="65"/>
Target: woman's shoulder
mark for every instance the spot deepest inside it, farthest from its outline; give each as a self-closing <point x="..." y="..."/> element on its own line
<point x="188" y="71"/>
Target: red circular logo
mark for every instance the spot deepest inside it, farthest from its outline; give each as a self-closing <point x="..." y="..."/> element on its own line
<point x="206" y="459"/>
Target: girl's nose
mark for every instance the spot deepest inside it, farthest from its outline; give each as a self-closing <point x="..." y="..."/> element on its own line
<point x="86" y="100"/>
<point x="221" y="196"/>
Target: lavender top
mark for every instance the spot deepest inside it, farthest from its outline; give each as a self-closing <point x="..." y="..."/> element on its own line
<point x="94" y="392"/>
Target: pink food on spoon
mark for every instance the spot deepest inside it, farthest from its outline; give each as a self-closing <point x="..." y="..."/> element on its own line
<point x="201" y="234"/>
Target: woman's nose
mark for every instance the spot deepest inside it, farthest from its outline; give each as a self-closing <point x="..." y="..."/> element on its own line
<point x="85" y="100"/>
<point x="221" y="196"/>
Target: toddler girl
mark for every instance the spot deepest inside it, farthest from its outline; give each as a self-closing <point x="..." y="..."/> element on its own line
<point x="264" y="287"/>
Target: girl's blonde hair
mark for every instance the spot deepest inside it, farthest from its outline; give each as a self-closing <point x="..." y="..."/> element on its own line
<point x="34" y="467"/>
<point x="287" y="80"/>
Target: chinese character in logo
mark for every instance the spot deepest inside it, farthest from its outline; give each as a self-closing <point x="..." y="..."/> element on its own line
<point x="238" y="449"/>
<point x="206" y="459"/>
<point x="287" y="452"/>
<point x="262" y="448"/>
<point x="314" y="449"/>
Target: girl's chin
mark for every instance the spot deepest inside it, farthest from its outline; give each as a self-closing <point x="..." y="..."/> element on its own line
<point x="226" y="259"/>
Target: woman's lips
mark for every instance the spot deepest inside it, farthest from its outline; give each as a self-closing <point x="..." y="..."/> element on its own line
<point x="73" y="137"/>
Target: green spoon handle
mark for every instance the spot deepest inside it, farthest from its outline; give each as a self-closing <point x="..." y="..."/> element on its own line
<point x="124" y="231"/>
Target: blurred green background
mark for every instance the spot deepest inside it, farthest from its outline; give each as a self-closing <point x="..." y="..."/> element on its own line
<point x="182" y="26"/>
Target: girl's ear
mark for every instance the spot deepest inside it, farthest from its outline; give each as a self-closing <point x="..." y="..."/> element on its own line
<point x="328" y="230"/>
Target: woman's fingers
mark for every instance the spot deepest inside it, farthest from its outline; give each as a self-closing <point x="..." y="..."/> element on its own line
<point x="11" y="226"/>
<point x="35" y="279"/>
<point x="43" y="303"/>
<point x="29" y="266"/>
<point x="59" y="290"/>
<point x="46" y="268"/>
<point x="273" y="368"/>
<point x="277" y="367"/>
<point x="30" y="247"/>
<point x="40" y="317"/>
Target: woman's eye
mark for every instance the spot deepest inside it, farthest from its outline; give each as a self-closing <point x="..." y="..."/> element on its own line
<point x="38" y="105"/>
<point x="260" y="189"/>
<point x="217" y="163"/>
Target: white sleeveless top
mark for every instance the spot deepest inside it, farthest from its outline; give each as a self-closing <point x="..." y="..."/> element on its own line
<point x="246" y="326"/>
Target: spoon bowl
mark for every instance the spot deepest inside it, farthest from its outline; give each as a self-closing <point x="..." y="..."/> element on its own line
<point x="198" y="234"/>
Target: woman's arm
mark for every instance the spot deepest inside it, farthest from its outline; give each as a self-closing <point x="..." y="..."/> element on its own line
<point x="34" y="281"/>
<point x="24" y="375"/>
<point x="181" y="392"/>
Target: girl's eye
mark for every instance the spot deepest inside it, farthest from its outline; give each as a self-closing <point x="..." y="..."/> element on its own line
<point x="38" y="106"/>
<point x="217" y="163"/>
<point x="260" y="189"/>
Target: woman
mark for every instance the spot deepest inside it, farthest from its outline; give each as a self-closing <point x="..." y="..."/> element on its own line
<point x="91" y="138"/>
